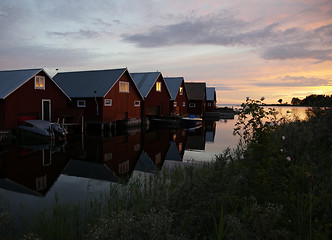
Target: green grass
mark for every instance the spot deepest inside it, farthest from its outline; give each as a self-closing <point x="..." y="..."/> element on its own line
<point x="254" y="192"/>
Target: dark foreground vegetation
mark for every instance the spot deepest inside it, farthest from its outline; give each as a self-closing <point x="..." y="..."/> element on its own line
<point x="276" y="185"/>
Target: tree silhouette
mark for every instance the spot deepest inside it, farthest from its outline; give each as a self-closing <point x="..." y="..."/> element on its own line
<point x="280" y="100"/>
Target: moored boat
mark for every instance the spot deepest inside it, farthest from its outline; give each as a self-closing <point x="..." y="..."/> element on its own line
<point x="41" y="130"/>
<point x="191" y="121"/>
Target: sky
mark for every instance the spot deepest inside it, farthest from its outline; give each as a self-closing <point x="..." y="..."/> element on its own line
<point x="277" y="49"/>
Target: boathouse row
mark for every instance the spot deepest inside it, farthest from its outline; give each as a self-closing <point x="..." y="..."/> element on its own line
<point x="100" y="96"/>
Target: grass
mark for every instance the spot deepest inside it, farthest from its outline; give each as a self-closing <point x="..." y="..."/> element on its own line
<point x="276" y="188"/>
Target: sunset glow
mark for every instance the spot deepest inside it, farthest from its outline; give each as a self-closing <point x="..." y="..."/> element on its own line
<point x="278" y="49"/>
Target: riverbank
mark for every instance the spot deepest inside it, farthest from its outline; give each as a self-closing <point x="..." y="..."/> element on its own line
<point x="276" y="188"/>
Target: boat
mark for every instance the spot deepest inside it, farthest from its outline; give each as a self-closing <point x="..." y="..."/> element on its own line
<point x="41" y="130"/>
<point x="165" y="120"/>
<point x="191" y="121"/>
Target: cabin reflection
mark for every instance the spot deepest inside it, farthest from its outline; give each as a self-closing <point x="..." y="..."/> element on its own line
<point x="210" y="132"/>
<point x="31" y="169"/>
<point x="196" y="138"/>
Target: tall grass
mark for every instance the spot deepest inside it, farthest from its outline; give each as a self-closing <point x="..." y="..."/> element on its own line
<point x="275" y="187"/>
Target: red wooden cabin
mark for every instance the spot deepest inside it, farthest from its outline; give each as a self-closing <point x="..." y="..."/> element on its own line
<point x="155" y="93"/>
<point x="179" y="98"/>
<point x="105" y="95"/>
<point x="197" y="97"/>
<point x="28" y="94"/>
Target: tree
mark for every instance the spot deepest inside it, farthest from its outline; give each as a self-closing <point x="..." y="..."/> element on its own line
<point x="296" y="101"/>
<point x="280" y="100"/>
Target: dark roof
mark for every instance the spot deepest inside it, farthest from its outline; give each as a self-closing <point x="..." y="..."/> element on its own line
<point x="145" y="81"/>
<point x="10" y="80"/>
<point x="210" y="94"/>
<point x="195" y="90"/>
<point x="96" y="83"/>
<point x="173" y="85"/>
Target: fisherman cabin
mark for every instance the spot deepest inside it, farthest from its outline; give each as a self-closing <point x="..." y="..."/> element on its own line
<point x="106" y="96"/>
<point x="211" y="100"/>
<point x="179" y="98"/>
<point x="155" y="93"/>
<point x="28" y="94"/>
<point x="196" y="92"/>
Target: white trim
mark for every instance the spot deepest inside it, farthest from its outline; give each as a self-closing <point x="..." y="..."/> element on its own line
<point x="137" y="103"/>
<point x="79" y="105"/>
<point x="175" y="104"/>
<point x="39" y="79"/>
<point x="183" y="104"/>
<point x="107" y="102"/>
<point x="50" y="109"/>
<point x="192" y="105"/>
<point x="125" y="84"/>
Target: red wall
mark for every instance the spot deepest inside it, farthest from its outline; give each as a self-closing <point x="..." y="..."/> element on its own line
<point x="199" y="109"/>
<point x="160" y="100"/>
<point x="28" y="100"/>
<point x="179" y="100"/>
<point x="212" y="107"/>
<point x="122" y="103"/>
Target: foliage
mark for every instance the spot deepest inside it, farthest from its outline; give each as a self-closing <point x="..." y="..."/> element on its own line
<point x="254" y="122"/>
<point x="314" y="100"/>
<point x="277" y="186"/>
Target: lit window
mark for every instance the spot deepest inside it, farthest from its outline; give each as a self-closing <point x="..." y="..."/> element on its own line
<point x="108" y="102"/>
<point x="124" y="87"/>
<point x="39" y="82"/>
<point x="175" y="104"/>
<point x="137" y="103"/>
<point x="158" y="86"/>
<point x="80" y="103"/>
<point x="183" y="104"/>
<point x="181" y="90"/>
<point x="192" y="105"/>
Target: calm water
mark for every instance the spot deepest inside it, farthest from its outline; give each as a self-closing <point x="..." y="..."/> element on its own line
<point x="33" y="177"/>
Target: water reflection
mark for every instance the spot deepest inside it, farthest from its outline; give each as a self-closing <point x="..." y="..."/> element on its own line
<point x="34" y="176"/>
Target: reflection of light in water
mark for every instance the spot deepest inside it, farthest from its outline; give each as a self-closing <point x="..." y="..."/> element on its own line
<point x="224" y="137"/>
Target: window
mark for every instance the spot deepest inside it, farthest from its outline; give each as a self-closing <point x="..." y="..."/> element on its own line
<point x="183" y="104"/>
<point x="137" y="103"/>
<point x="175" y="104"/>
<point x="124" y="167"/>
<point x="192" y="105"/>
<point x="108" y="156"/>
<point x="108" y="102"/>
<point x="158" y="86"/>
<point x="209" y="104"/>
<point x="181" y="91"/>
<point x="39" y="82"/>
<point x="80" y="103"/>
<point x="124" y="87"/>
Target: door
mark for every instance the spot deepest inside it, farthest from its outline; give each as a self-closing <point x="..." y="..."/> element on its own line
<point x="46" y="109"/>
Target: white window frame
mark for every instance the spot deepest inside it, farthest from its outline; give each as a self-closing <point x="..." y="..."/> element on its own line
<point x="137" y="103"/>
<point x="107" y="102"/>
<point x="209" y="104"/>
<point x="123" y="87"/>
<point x="183" y="104"/>
<point x="175" y="104"/>
<point x="38" y="80"/>
<point x="158" y="86"/>
<point x="192" y="105"/>
<point x="82" y="105"/>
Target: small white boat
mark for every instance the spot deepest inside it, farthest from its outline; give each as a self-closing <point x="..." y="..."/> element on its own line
<point x="191" y="121"/>
<point x="42" y="129"/>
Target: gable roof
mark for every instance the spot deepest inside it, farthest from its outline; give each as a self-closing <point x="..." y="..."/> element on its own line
<point x="95" y="83"/>
<point x="145" y="81"/>
<point x="173" y="85"/>
<point x="195" y="90"/>
<point x="210" y="94"/>
<point x="10" y="80"/>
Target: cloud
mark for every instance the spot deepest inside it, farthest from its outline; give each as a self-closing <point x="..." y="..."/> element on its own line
<point x="86" y="34"/>
<point x="224" y="29"/>
<point x="295" y="81"/>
